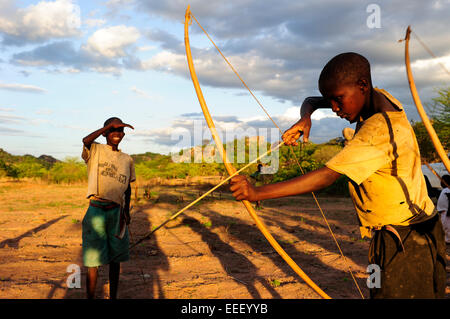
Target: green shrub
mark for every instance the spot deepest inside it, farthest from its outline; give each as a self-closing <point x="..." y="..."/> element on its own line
<point x="30" y="169"/>
<point x="71" y="170"/>
<point x="8" y="170"/>
<point x="324" y="153"/>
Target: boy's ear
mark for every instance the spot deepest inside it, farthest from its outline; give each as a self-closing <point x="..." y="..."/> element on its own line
<point x="363" y="85"/>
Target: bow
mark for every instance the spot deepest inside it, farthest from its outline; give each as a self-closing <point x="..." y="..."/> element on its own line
<point x="230" y="168"/>
<point x="431" y="132"/>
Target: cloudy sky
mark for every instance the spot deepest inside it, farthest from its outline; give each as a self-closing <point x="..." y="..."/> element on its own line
<point x="67" y="65"/>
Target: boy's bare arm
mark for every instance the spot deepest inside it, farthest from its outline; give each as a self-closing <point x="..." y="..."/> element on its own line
<point x="88" y="140"/>
<point x="312" y="103"/>
<point x="310" y="182"/>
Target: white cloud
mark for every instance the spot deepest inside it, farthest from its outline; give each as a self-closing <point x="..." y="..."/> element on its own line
<point x="72" y="70"/>
<point x="9" y="118"/>
<point x="166" y="61"/>
<point x="21" y="87"/>
<point x="426" y="64"/>
<point x="44" y="111"/>
<point x="40" y="22"/>
<point x="118" y="2"/>
<point x="146" y="48"/>
<point x="322" y="114"/>
<point x="94" y="22"/>
<point x="139" y="92"/>
<point x="293" y="113"/>
<point x="111" y="42"/>
<point x="145" y="94"/>
<point x="37" y="122"/>
<point x="112" y="69"/>
<point x="280" y="53"/>
<point x="260" y="73"/>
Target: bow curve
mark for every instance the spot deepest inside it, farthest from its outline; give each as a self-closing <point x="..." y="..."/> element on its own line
<point x="230" y="168"/>
<point x="431" y="132"/>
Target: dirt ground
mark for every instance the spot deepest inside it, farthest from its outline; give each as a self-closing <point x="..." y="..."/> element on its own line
<point x="214" y="250"/>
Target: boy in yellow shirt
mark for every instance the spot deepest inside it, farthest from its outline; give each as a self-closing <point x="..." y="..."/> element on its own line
<point x="386" y="185"/>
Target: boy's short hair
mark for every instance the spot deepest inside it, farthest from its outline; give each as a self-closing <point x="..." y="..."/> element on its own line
<point x="345" y="68"/>
<point x="111" y="119"/>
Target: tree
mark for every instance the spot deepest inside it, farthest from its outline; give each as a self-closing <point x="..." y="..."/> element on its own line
<point x="440" y="107"/>
<point x="71" y="170"/>
<point x="8" y="170"/>
<point x="439" y="113"/>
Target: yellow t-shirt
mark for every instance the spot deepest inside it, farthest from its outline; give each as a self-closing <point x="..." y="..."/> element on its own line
<point x="109" y="172"/>
<point x="383" y="163"/>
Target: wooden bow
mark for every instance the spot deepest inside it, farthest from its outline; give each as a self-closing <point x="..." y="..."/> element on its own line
<point x="230" y="168"/>
<point x="426" y="122"/>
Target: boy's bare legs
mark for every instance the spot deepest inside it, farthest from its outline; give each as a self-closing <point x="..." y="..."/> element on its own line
<point x="91" y="282"/>
<point x="114" y="272"/>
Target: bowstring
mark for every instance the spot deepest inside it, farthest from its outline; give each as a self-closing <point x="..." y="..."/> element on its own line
<point x="430" y="52"/>
<point x="291" y="149"/>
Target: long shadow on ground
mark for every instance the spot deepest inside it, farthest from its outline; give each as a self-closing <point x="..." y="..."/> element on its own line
<point x="237" y="266"/>
<point x="14" y="242"/>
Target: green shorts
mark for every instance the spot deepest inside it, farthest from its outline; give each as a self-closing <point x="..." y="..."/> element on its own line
<point x="100" y="245"/>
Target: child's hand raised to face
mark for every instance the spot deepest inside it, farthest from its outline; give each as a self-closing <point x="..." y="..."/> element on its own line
<point x="117" y="124"/>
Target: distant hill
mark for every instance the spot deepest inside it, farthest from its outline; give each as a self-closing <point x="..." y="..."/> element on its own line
<point x="149" y="156"/>
<point x="45" y="160"/>
<point x="6" y="157"/>
<point x="48" y="159"/>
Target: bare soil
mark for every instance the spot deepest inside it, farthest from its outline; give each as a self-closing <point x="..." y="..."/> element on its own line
<point x="213" y="250"/>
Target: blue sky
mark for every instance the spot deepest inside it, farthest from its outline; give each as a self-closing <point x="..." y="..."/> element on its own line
<point x="69" y="65"/>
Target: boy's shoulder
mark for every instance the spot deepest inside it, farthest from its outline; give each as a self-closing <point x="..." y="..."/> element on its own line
<point x="382" y="128"/>
<point x="128" y="156"/>
<point x="391" y="98"/>
<point x="382" y="123"/>
<point x="374" y="125"/>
